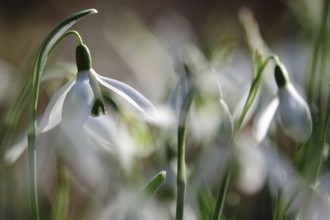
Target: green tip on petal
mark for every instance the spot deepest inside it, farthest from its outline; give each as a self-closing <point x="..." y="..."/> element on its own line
<point x="97" y="108"/>
<point x="280" y="76"/>
<point x="83" y="58"/>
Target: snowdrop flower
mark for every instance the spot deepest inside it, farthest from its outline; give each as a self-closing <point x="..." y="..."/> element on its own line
<point x="75" y="126"/>
<point x="210" y="117"/>
<point x="294" y="115"/>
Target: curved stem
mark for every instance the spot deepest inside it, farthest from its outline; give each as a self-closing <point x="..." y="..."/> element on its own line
<point x="252" y="94"/>
<point x="45" y="49"/>
<point x="75" y="33"/>
<point x="181" y="176"/>
<point x="254" y="89"/>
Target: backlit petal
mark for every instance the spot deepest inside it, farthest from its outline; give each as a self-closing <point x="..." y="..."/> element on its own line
<point x="263" y="119"/>
<point x="131" y="95"/>
<point x="294" y="114"/>
<point x="101" y="130"/>
<point x="78" y="103"/>
<point x="53" y="112"/>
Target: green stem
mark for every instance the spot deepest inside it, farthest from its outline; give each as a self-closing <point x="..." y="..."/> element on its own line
<point x="254" y="89"/>
<point x="318" y="41"/>
<point x="61" y="209"/>
<point x="181" y="176"/>
<point x="323" y="139"/>
<point x="222" y="193"/>
<point x="252" y="94"/>
<point x="68" y="33"/>
<point x="282" y="207"/>
<point x="33" y="176"/>
<point x="75" y="33"/>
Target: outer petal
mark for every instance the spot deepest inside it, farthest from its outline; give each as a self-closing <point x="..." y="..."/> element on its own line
<point x="263" y="119"/>
<point x="252" y="172"/>
<point x="83" y="160"/>
<point x="101" y="130"/>
<point x="294" y="114"/>
<point x="130" y="95"/>
<point x="50" y="119"/>
<point x="78" y="103"/>
<point x="52" y="115"/>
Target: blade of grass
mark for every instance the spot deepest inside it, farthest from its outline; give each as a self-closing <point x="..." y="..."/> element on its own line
<point x="223" y="192"/>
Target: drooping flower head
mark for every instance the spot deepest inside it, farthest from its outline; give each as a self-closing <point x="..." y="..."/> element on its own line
<point x="294" y="115"/>
<point x="75" y="127"/>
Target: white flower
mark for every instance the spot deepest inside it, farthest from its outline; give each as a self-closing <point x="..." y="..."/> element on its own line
<point x="72" y="128"/>
<point x="293" y="112"/>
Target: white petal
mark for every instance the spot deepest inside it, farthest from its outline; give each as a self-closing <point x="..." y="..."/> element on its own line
<point x="82" y="159"/>
<point x="77" y="103"/>
<point x="130" y="95"/>
<point x="263" y="119"/>
<point x="19" y="146"/>
<point x="52" y="115"/>
<point x="252" y="171"/>
<point x="101" y="130"/>
<point x="294" y="114"/>
<point x="50" y="119"/>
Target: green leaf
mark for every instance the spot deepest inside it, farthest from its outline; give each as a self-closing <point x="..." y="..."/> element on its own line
<point x="152" y="186"/>
<point x="137" y="204"/>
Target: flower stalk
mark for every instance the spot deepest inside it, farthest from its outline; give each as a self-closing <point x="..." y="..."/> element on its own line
<point x="254" y="89"/>
<point x="181" y="175"/>
<point x="250" y="99"/>
<point x="223" y="192"/>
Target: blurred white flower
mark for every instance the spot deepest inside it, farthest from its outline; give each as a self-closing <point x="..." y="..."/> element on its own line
<point x="210" y="117"/>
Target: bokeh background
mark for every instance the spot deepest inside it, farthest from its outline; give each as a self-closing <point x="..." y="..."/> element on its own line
<point x="139" y="42"/>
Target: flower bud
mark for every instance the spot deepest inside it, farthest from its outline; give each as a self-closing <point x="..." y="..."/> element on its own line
<point x="83" y="58"/>
<point x="293" y="113"/>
